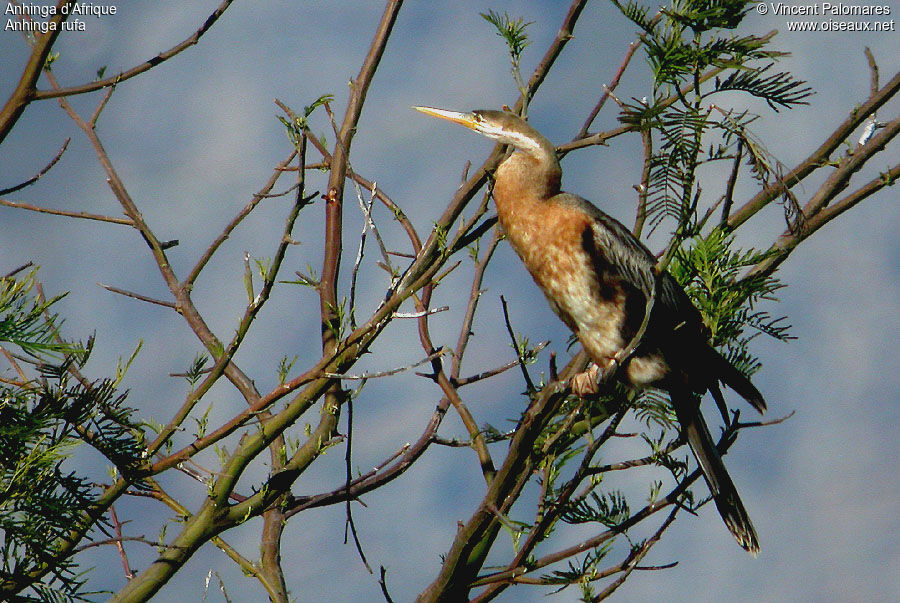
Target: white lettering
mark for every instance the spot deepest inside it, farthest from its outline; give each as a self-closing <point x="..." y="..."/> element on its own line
<point x="780" y="8"/>
<point x="32" y="10"/>
<point x="96" y="10"/>
<point x="30" y="26"/>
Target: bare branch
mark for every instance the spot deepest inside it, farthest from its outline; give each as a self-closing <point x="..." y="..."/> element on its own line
<point x="69" y="214"/>
<point x="609" y="88"/>
<point x="26" y="89"/>
<point x="388" y="373"/>
<point x="138" y="69"/>
<point x="150" y="300"/>
<point x="817" y="158"/>
<point x="37" y="176"/>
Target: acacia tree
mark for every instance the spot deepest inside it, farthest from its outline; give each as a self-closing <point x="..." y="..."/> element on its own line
<point x="51" y="515"/>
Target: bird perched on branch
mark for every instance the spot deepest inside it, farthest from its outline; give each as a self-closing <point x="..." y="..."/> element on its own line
<point x="598" y="279"/>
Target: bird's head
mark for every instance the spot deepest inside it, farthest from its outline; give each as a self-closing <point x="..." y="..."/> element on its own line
<point x="503" y="126"/>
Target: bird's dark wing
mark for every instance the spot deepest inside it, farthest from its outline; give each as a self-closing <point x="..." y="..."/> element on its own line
<point x="621" y="252"/>
<point x="676" y="326"/>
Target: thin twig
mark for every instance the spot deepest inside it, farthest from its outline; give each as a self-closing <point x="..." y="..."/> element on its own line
<point x="350" y="524"/>
<point x="465" y="331"/>
<point x="117" y="526"/>
<point x="37" y="176"/>
<point x="607" y="90"/>
<point x="873" y="68"/>
<point x="229" y="228"/>
<point x="138" y="69"/>
<point x="529" y="384"/>
<point x="459" y="382"/>
<point x="69" y="214"/>
<point x="150" y="300"/>
<point x="390" y="372"/>
<point x="427" y="312"/>
<point x="15" y="271"/>
<point x="732" y="181"/>
<point x="382" y="582"/>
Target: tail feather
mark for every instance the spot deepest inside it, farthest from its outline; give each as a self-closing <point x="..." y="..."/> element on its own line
<point x="723" y="490"/>
<point x="736" y="380"/>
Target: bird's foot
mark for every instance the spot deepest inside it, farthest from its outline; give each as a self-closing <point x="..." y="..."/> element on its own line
<point x="586" y="383"/>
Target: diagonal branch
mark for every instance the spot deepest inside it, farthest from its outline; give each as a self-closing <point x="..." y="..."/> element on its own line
<point x="25" y="91"/>
<point x="138" y="69"/>
<point x="817" y="158"/>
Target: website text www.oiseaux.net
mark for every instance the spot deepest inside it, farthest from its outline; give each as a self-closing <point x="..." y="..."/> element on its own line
<point x="837" y="16"/>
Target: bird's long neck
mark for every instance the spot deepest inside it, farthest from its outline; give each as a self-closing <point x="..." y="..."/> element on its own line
<point x="531" y="175"/>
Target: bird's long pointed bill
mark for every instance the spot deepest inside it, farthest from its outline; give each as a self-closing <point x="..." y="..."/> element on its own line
<point x="463" y="119"/>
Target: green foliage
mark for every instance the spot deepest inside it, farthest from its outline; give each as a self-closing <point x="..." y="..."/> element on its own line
<point x="25" y="320"/>
<point x="692" y="58"/>
<point x="653" y="408"/>
<point x="295" y="129"/>
<point x="709" y="270"/>
<point x="609" y="509"/>
<point x="582" y="573"/>
<point x="777" y="89"/>
<point x="195" y="371"/>
<point x="513" y="32"/>
<point x="41" y="422"/>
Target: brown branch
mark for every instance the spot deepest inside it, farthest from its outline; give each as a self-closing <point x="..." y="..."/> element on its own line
<point x="643" y="189"/>
<point x="476" y="534"/>
<point x="69" y="214"/>
<point x="229" y="228"/>
<point x="16" y="271"/>
<point x="565" y="33"/>
<point x="818" y="158"/>
<point x="26" y="89"/>
<point x="117" y="526"/>
<point x="12" y="361"/>
<point x="873" y="68"/>
<point x="38" y="176"/>
<point x="732" y="181"/>
<point x="150" y="300"/>
<point x="790" y="239"/>
<point x="465" y="332"/>
<point x="609" y="88"/>
<point x="365" y="183"/>
<point x="111" y="81"/>
<point x="339" y="165"/>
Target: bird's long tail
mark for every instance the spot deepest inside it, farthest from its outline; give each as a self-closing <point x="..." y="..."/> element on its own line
<point x="721" y="487"/>
<point x="733" y="378"/>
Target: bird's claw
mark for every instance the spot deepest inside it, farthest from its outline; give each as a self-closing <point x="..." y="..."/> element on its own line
<point x="586" y="383"/>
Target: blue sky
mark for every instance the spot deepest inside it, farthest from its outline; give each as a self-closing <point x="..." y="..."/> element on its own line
<point x="195" y="137"/>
